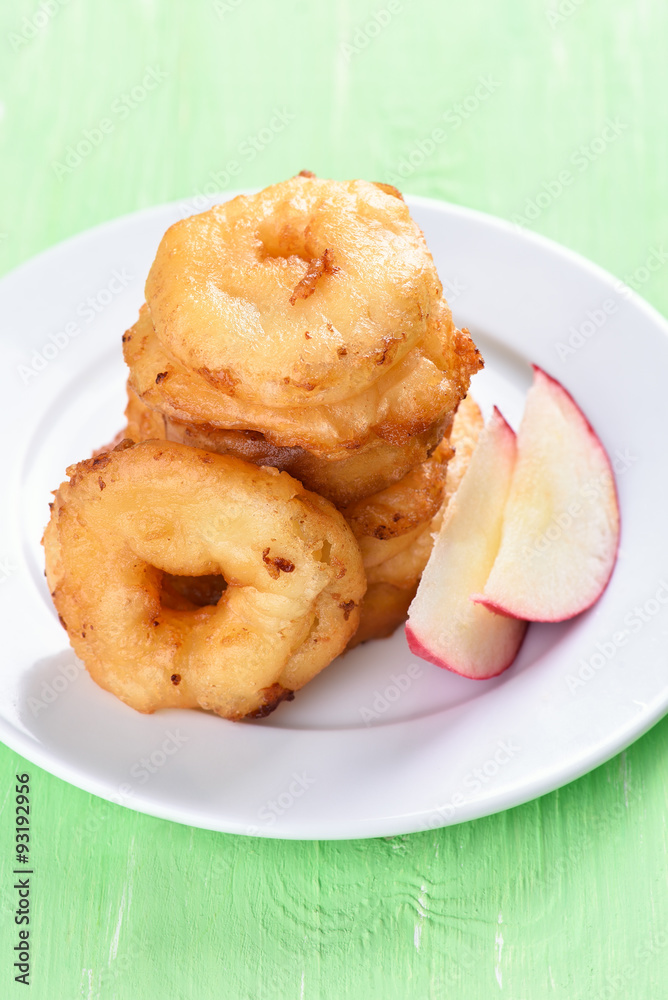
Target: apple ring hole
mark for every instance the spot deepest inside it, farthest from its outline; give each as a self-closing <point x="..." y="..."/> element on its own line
<point x="282" y="242"/>
<point x="189" y="593"/>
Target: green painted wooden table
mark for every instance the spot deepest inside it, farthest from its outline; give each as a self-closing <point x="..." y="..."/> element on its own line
<point x="109" y="107"/>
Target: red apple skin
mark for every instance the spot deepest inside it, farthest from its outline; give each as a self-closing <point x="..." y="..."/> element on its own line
<point x="418" y="647"/>
<point x="498" y="609"/>
<point x="507" y="613"/>
<point x="491" y="606"/>
<point x="500" y="417"/>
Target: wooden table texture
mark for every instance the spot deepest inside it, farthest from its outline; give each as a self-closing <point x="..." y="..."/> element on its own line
<point x="564" y="897"/>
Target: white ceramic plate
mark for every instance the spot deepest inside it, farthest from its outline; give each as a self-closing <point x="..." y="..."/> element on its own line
<point x="381" y="743"/>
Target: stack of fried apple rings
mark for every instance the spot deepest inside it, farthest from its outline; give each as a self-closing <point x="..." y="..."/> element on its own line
<point x="295" y="359"/>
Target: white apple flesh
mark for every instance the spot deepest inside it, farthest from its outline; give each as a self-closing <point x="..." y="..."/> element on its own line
<point x="444" y="625"/>
<point x="561" y="523"/>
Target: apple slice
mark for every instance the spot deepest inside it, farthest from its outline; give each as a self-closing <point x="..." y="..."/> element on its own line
<point x="561" y="523"/>
<point x="444" y="625"/>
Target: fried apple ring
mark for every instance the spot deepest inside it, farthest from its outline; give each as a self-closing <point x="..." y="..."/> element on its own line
<point x="291" y="588"/>
<point x="304" y="294"/>
<point x="343" y="481"/>
<point x="418" y="394"/>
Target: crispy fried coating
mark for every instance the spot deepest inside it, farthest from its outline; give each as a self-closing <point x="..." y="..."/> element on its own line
<point x="279" y="562"/>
